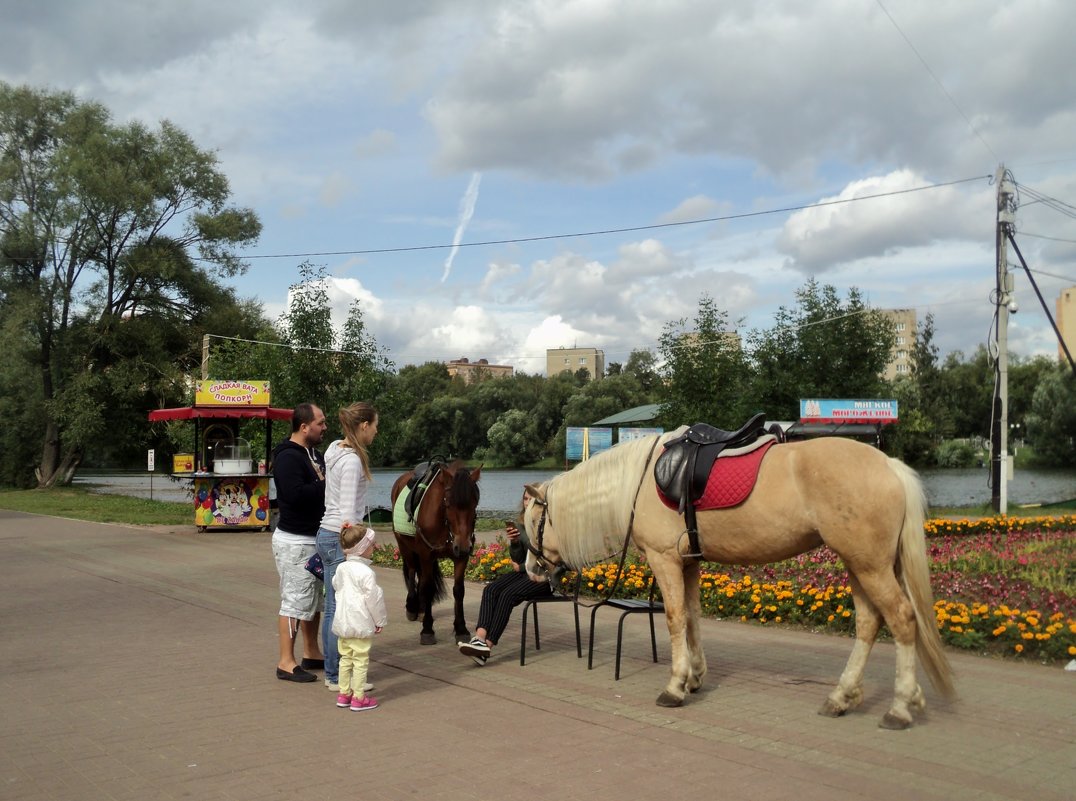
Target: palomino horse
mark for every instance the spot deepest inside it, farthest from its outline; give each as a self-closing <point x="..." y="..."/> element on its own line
<point x="867" y="507"/>
<point x="444" y="529"/>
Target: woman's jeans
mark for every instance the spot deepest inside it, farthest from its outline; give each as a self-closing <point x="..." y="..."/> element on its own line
<point x="331" y="556"/>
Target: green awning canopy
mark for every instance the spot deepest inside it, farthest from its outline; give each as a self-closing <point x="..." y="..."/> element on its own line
<point x="640" y="414"/>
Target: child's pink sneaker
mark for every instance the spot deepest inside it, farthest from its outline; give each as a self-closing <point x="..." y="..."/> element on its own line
<point x="364" y="703"/>
<point x="343" y="700"/>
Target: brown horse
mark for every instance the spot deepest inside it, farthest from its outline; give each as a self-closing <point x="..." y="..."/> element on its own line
<point x="444" y="529"/>
<point x="867" y="507"/>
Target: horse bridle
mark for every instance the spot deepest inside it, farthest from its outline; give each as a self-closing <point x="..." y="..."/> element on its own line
<point x="539" y="556"/>
<point x="549" y="569"/>
<point x="447" y="526"/>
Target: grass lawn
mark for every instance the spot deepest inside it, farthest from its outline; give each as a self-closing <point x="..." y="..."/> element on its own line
<point x="82" y="504"/>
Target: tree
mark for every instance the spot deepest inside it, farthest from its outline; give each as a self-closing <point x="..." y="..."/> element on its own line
<point x="705" y="370"/>
<point x="925" y="405"/>
<point x="600" y="399"/>
<point x="643" y="365"/>
<point x="969" y="384"/>
<point x="512" y="439"/>
<point x="1051" y="420"/>
<point x="100" y="226"/>
<point x="306" y="359"/>
<point x="821" y="348"/>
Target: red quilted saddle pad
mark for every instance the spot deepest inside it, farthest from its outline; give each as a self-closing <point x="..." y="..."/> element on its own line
<point x="731" y="480"/>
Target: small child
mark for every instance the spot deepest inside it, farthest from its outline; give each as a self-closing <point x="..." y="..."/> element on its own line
<point x="360" y="614"/>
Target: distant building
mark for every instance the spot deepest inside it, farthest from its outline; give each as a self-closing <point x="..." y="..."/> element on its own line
<point x="726" y="339"/>
<point x="1066" y="321"/>
<point x="569" y="360"/>
<point x="477" y="371"/>
<point x="901" y="357"/>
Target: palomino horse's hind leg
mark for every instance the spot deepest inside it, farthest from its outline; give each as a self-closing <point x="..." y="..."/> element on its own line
<point x="670" y="579"/>
<point x="888" y="597"/>
<point x="693" y="603"/>
<point x="848" y="693"/>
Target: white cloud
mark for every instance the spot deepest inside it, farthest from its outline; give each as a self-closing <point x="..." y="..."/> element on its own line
<point x="827" y="236"/>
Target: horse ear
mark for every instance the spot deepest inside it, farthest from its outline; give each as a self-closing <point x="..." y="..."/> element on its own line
<point x="536" y="491"/>
<point x="477" y="472"/>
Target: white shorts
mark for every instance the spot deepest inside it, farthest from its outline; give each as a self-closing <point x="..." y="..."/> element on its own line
<point x="300" y="590"/>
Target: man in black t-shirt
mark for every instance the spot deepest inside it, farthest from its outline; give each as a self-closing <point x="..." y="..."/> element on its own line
<point x="299" y="475"/>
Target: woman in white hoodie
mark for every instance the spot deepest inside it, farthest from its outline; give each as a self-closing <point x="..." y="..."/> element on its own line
<point x="347" y="477"/>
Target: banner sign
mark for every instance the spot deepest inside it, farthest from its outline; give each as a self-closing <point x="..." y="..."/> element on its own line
<point x="232" y="393"/>
<point x="582" y="443"/>
<point x="848" y="411"/>
<point x="628" y="434"/>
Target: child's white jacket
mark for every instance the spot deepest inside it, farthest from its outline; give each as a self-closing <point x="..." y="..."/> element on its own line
<point x="360" y="604"/>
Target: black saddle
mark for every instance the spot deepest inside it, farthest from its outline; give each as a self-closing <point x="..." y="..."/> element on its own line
<point x="683" y="468"/>
<point x="424" y="474"/>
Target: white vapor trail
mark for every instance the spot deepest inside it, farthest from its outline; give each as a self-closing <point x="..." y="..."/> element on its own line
<point x="467" y="203"/>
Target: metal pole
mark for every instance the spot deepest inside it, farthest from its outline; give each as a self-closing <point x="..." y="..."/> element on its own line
<point x="205" y="357"/>
<point x="1003" y="296"/>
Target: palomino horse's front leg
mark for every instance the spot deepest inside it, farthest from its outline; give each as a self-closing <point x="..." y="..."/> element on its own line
<point x="459" y="624"/>
<point x="693" y="604"/>
<point x="669" y="574"/>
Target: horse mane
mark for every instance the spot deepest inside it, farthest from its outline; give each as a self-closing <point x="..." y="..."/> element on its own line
<point x="464" y="492"/>
<point x="589" y="507"/>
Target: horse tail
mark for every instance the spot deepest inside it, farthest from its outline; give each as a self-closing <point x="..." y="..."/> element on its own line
<point x="437" y="582"/>
<point x="914" y="571"/>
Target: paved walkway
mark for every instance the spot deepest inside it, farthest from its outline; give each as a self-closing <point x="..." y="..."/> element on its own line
<point x="138" y="664"/>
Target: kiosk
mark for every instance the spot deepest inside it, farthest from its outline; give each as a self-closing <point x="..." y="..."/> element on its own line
<point x="230" y="490"/>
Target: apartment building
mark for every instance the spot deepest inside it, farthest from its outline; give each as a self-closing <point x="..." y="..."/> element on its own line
<point x="904" y="328"/>
<point x="569" y="360"/>
<point x="477" y="371"/>
<point x="1066" y="322"/>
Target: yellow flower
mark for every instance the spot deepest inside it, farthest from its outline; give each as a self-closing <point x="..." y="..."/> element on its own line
<point x="1018" y="648"/>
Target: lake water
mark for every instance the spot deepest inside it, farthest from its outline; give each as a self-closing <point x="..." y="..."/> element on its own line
<point x="501" y="489"/>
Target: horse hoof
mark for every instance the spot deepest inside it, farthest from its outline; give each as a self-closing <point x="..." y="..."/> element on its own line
<point x="412" y="616"/>
<point x="894" y="722"/>
<point x="428" y="638"/>
<point x="669" y="700"/>
<point x="831" y="710"/>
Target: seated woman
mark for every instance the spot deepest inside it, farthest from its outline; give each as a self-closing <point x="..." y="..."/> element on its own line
<point x="501" y="596"/>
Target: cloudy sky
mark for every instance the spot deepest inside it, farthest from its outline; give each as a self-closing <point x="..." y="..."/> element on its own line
<point x="617" y="159"/>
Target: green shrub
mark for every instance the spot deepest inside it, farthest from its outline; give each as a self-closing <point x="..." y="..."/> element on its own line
<point x="956" y="454"/>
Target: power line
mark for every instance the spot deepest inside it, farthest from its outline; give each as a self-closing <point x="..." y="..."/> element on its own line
<point x="284" y="345"/>
<point x="1051" y="238"/>
<point x="937" y="80"/>
<point x="521" y="240"/>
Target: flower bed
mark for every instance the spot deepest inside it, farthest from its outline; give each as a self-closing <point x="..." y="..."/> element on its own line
<point x="1003" y="584"/>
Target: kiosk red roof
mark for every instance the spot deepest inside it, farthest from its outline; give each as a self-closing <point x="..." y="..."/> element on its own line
<point x="192" y="412"/>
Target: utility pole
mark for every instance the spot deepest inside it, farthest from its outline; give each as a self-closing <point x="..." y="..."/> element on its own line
<point x="1000" y="461"/>
<point x="205" y="357"/>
